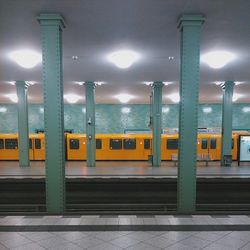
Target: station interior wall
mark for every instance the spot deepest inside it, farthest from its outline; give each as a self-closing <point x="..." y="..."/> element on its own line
<point x="114" y="118"/>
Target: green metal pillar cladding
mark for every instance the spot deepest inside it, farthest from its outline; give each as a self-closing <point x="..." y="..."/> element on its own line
<point x="190" y="27"/>
<point x="52" y="25"/>
<point x="23" y="123"/>
<point x="90" y="122"/>
<point x="157" y="121"/>
<point x="227" y="110"/>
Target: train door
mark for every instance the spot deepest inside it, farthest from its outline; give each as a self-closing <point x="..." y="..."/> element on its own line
<point x="172" y="148"/>
<point x="11" y="148"/>
<point x="164" y="148"/>
<point x="147" y="148"/>
<point x="1" y="149"/>
<point x="76" y="147"/>
<point x="202" y="147"/>
<point x="214" y="152"/>
<point x="31" y="149"/>
<point x="39" y="148"/>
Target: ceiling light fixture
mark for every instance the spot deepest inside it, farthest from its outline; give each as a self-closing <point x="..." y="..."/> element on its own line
<point x="12" y="97"/>
<point x="72" y="98"/>
<point x="236" y="96"/>
<point x="74" y="57"/>
<point x="167" y="83"/>
<point x="207" y="110"/>
<point x="41" y="110"/>
<point x="124" y="98"/>
<point x="26" y="58"/>
<point x="125" y="110"/>
<point x="79" y="83"/>
<point x="175" y="97"/>
<point x="217" y="59"/>
<point x="123" y="59"/>
<point x="84" y="110"/>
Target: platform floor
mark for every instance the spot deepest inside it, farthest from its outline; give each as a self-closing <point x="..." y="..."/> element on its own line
<point x="61" y="232"/>
<point x="122" y="169"/>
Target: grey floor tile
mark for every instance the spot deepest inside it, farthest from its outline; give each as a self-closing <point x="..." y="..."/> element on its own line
<point x="30" y="246"/>
<point x="232" y="241"/>
<point x="72" y="236"/>
<point x="149" y="221"/>
<point x="8" y="235"/>
<point x="141" y="236"/>
<point x="2" y="247"/>
<point x="88" y="242"/>
<point x="36" y="236"/>
<point x="107" y="236"/>
<point x="160" y="242"/>
<point x="177" y="235"/>
<point x="194" y="241"/>
<point x="66" y="246"/>
<point x="104" y="246"/>
<point x="244" y="235"/>
<point x="51" y="242"/>
<point x="179" y="246"/>
<point x="246" y="247"/>
<point x="216" y="246"/>
<point x="142" y="246"/>
<point x="124" y="241"/>
<point x="16" y="241"/>
<point x="210" y="236"/>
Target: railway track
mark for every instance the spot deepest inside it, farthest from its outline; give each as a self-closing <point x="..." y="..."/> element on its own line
<point x="125" y="195"/>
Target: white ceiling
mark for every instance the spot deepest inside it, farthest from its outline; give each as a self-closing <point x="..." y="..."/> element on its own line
<point x="95" y="28"/>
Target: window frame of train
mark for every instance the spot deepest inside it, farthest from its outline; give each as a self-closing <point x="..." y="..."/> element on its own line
<point x="213" y="143"/>
<point x="73" y="145"/>
<point x="116" y="146"/>
<point x="38" y="144"/>
<point x="98" y="143"/>
<point x="30" y="144"/>
<point x="170" y="146"/>
<point x="204" y="142"/>
<point x="7" y="142"/>
<point x="1" y="143"/>
<point x="129" y="143"/>
<point x="147" y="144"/>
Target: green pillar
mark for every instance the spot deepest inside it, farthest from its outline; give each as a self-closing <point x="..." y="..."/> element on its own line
<point x="90" y="122"/>
<point x="157" y="120"/>
<point x="227" y="109"/>
<point x="23" y="123"/>
<point x="52" y="25"/>
<point x="190" y="28"/>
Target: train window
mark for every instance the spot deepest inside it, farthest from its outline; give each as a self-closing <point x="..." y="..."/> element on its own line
<point x="11" y="144"/>
<point x="30" y="143"/>
<point x="115" y="144"/>
<point x="74" y="144"/>
<point x="1" y="144"/>
<point x="204" y="143"/>
<point x="213" y="143"/>
<point x="146" y="143"/>
<point x="129" y="143"/>
<point x="98" y="143"/>
<point x="38" y="144"/>
<point x="232" y="143"/>
<point x="172" y="144"/>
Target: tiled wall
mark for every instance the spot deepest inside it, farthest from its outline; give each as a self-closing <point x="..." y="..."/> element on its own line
<point x="112" y="118"/>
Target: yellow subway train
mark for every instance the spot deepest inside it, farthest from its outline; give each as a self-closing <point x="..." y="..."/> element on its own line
<point x="118" y="147"/>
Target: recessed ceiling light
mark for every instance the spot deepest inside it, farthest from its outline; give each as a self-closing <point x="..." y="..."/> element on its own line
<point x="238" y="83"/>
<point x="84" y="110"/>
<point x="123" y="59"/>
<point x="12" y="97"/>
<point x="3" y="109"/>
<point x="74" y="57"/>
<point x="124" y="98"/>
<point x="165" y="109"/>
<point x="170" y="58"/>
<point x="219" y="83"/>
<point x="26" y="58"/>
<point x="217" y="59"/>
<point x="175" y="97"/>
<point x="99" y="83"/>
<point x="72" y="98"/>
<point x="31" y="82"/>
<point x="207" y="110"/>
<point x="246" y="109"/>
<point x="236" y="96"/>
<point x="148" y="83"/>
<point x="125" y="110"/>
<point x="167" y="83"/>
<point x="11" y="82"/>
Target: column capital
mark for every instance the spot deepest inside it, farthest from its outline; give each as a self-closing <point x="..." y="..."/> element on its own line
<point x="157" y="84"/>
<point x="228" y="84"/>
<point x="190" y="20"/>
<point x="22" y="84"/>
<point x="48" y="19"/>
<point x="89" y="83"/>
